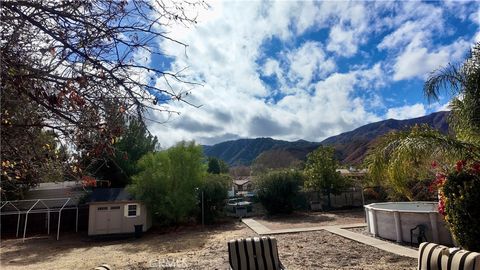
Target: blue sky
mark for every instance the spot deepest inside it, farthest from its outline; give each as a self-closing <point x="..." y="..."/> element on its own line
<point x="309" y="70"/>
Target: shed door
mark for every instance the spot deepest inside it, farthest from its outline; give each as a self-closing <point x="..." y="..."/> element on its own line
<point x="108" y="219"/>
<point x="101" y="219"/>
<point x="115" y="222"/>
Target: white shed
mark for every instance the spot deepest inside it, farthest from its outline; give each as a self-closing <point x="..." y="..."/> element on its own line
<point x="115" y="211"/>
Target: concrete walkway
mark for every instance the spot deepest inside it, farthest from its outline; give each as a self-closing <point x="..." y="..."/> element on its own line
<point x="311" y="229"/>
<point x="375" y="242"/>
<point x="338" y="230"/>
<point x="256" y="226"/>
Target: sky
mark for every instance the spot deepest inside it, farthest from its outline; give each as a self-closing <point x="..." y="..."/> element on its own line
<point x="295" y="70"/>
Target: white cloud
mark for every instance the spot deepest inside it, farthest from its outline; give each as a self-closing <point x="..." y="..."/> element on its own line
<point x="463" y="12"/>
<point x="415" y="28"/>
<point x="475" y="17"/>
<point x="351" y="29"/>
<point x="402" y="36"/>
<point x="315" y="94"/>
<point x="272" y="67"/>
<point x="406" y="112"/>
<point x="307" y="61"/>
<point x="416" y="22"/>
<point x="418" y="61"/>
<point x="342" y="41"/>
<point x="477" y="37"/>
<point x="331" y="108"/>
<point x="438" y="106"/>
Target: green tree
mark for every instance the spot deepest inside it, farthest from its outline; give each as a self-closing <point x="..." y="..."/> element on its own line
<point x="224" y="168"/>
<point x="213" y="165"/>
<point x="215" y="193"/>
<point x="405" y="156"/>
<point x="133" y="144"/>
<point x="217" y="166"/>
<point x="120" y="166"/>
<point x="278" y="190"/>
<point x="320" y="172"/>
<point x="168" y="182"/>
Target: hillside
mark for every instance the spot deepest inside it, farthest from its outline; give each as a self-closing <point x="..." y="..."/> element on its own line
<point x="351" y="147"/>
<point x="244" y="151"/>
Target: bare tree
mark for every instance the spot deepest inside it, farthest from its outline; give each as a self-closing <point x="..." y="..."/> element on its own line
<point x="81" y="67"/>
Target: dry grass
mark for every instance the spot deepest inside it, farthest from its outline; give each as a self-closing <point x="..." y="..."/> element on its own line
<point x="191" y="248"/>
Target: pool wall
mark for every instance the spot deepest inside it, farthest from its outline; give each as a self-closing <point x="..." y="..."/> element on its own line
<point x="394" y="220"/>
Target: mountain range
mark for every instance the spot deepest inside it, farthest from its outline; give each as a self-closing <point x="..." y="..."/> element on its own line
<point x="350" y="147"/>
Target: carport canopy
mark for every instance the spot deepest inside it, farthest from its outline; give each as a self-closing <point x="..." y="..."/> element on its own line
<point x="35" y="206"/>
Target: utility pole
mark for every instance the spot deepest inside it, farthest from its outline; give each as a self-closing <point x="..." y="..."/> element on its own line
<point x="203" y="214"/>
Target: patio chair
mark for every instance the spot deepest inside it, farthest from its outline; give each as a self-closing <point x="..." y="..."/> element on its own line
<point x="254" y="253"/>
<point x="433" y="256"/>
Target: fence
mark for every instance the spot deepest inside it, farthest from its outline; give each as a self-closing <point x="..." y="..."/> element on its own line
<point x="351" y="197"/>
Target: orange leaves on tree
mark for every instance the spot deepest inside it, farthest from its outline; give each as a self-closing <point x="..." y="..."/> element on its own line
<point x="88" y="181"/>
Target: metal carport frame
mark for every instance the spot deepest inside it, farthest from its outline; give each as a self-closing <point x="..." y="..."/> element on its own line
<point x="31" y="204"/>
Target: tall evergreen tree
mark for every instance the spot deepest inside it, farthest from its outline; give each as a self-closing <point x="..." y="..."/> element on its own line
<point x="118" y="168"/>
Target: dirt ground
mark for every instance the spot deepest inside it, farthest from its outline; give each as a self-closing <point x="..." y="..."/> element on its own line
<point x="312" y="219"/>
<point x="192" y="248"/>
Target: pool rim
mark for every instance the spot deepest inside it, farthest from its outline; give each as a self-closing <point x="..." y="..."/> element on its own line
<point x="371" y="206"/>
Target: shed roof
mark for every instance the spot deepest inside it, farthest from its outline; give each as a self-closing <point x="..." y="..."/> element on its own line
<point x="110" y="195"/>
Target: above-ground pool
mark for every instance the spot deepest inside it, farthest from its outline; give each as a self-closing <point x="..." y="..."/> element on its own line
<point x="394" y="220"/>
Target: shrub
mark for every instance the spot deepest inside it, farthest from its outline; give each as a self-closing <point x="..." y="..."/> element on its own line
<point x="377" y="193"/>
<point x="215" y="193"/>
<point x="277" y="191"/>
<point x="460" y="196"/>
<point x="168" y="180"/>
<point x="421" y="192"/>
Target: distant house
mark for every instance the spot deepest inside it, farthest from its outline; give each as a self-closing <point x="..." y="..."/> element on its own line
<point x="243" y="184"/>
<point x="115" y="211"/>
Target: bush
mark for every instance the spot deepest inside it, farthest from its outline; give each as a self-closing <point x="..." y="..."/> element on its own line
<point x="277" y="191"/>
<point x="215" y="193"/>
<point x="421" y="192"/>
<point x="168" y="180"/>
<point x="461" y="196"/>
<point x="376" y="193"/>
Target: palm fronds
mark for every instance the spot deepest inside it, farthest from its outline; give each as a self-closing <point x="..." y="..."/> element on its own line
<point x="405" y="156"/>
<point x="464" y="83"/>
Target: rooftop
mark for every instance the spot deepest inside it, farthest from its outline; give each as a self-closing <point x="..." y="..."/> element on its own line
<point x="110" y="195"/>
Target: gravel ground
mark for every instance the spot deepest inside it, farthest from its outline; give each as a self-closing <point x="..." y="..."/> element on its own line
<point x="191" y="248"/>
